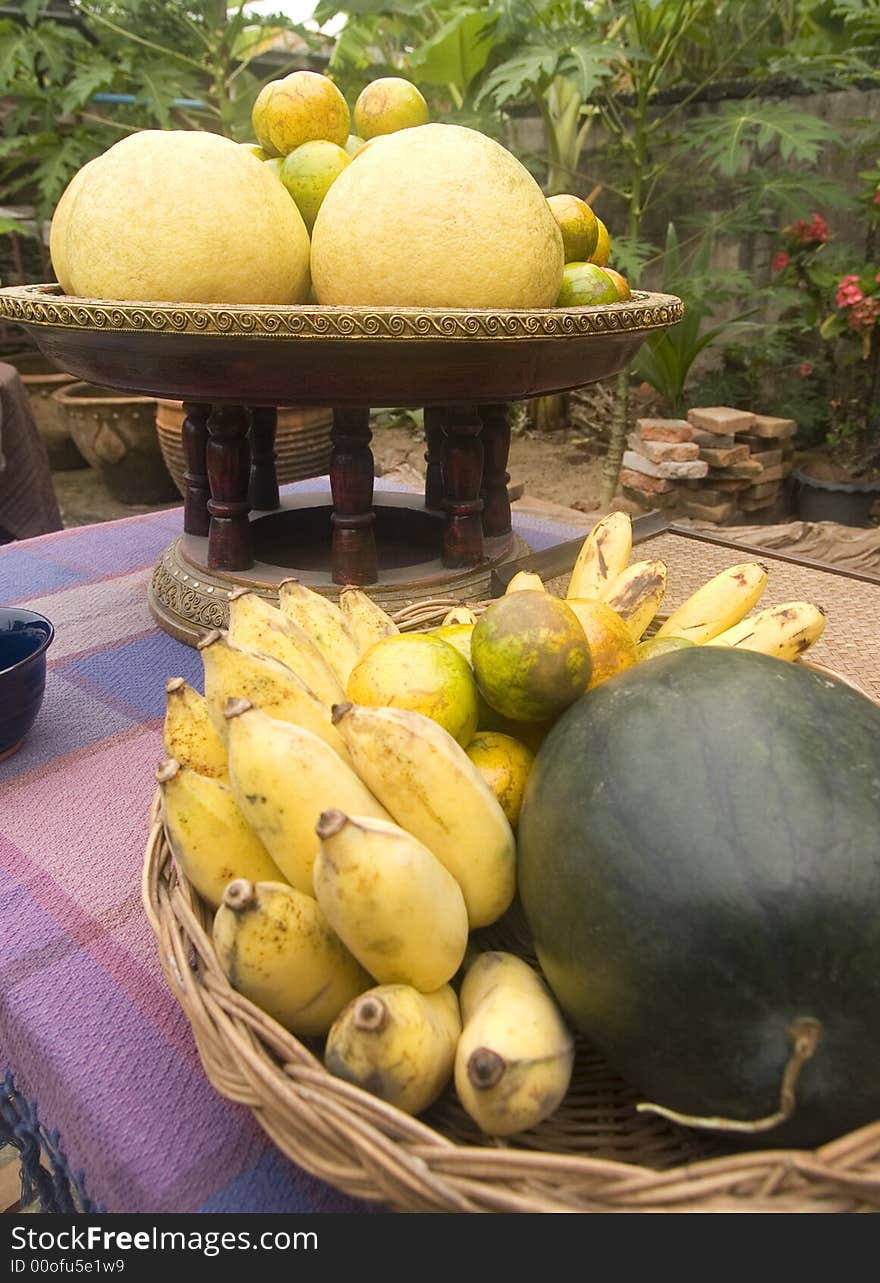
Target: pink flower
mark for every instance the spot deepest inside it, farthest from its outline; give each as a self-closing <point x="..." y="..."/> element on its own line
<point x="814" y="232"/>
<point x="849" y="292"/>
<point x="865" y="314"/>
<point x="818" y="229"/>
<point x="805" y="369"/>
<point x="780" y="261"/>
<point x="877" y="199"/>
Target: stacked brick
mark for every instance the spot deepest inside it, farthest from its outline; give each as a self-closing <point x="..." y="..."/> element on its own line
<point x="715" y="463"/>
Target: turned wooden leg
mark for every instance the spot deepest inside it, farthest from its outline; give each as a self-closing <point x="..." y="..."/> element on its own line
<point x="463" y="474"/>
<point x="194" y="438"/>
<point x="263" y="492"/>
<point x="496" y="448"/>
<point x="435" y="422"/>
<point x="353" y="553"/>
<point x="228" y="453"/>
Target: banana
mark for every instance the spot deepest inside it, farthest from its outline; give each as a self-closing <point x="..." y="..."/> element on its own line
<point x="367" y="622"/>
<point x="784" y="631"/>
<point x="390" y="901"/>
<point x="283" y="776"/>
<point x="433" y="790"/>
<point x="189" y="734"/>
<point x="276" y="947"/>
<point x="636" y="594"/>
<point x="458" y="615"/>
<point x="233" y="671"/>
<point x="525" y="581"/>
<point x="397" y="1043"/>
<point x="258" y="625"/>
<point x="208" y="835"/>
<point x="323" y="621"/>
<point x="603" y="556"/>
<point x="718" y="604"/>
<point x="514" y="1059"/>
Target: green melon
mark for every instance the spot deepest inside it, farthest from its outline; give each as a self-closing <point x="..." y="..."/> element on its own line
<point x="699" y="861"/>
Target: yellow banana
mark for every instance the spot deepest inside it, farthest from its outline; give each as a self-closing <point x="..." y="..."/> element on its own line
<point x="236" y="672"/>
<point x="189" y="734"/>
<point x="636" y="594"/>
<point x="276" y="947"/>
<point x="397" y="1043"/>
<point x="433" y="790"/>
<point x="390" y="901"/>
<point x="458" y="615"/>
<point x="208" y="835"/>
<point x="323" y="621"/>
<point x="514" y="1058"/>
<point x="784" y="631"/>
<point x="603" y="555"/>
<point x="525" y="581"/>
<point x="283" y="776"/>
<point x="367" y="622"/>
<point x="258" y="625"/>
<point x="718" y="604"/>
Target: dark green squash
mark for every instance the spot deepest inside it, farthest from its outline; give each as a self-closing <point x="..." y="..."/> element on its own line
<point x="699" y="862"/>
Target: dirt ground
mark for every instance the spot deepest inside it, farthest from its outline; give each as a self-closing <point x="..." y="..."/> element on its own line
<point x="549" y="466"/>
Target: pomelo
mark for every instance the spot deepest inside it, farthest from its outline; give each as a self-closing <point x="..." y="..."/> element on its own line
<point x="388" y="104"/>
<point x="436" y="216"/>
<point x="298" y="108"/>
<point x="353" y="144"/>
<point x="181" y="216"/>
<point x="58" y="229"/>
<point x="420" y="672"/>
<point x="531" y="656"/>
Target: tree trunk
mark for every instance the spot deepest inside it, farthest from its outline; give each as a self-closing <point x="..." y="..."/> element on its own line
<point x="614" y="457"/>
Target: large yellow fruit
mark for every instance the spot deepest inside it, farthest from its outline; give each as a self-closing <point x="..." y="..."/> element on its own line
<point x="181" y="216"/>
<point x="297" y="109"/>
<point x="436" y="216"/>
<point x="58" y="230"/>
<point x="420" y="672"/>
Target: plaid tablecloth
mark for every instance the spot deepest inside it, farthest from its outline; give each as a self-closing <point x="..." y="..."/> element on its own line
<point x="87" y="1026"/>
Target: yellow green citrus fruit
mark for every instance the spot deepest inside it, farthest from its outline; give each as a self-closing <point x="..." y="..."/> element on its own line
<point x="654" y="646"/>
<point x="457" y="635"/>
<point x="611" y="643"/>
<point x="309" y="172"/>
<point x="531" y="657"/>
<point x="436" y="216"/>
<point x="387" y="105"/>
<point x="256" y="150"/>
<point x="297" y="109"/>
<point x="182" y="216"/>
<point x="353" y="144"/>
<point x="505" y="764"/>
<point x="273" y="164"/>
<point x="602" y="252"/>
<point x="585" y="284"/>
<point x="578" y="224"/>
<point x="623" y="290"/>
<point x="419" y="672"/>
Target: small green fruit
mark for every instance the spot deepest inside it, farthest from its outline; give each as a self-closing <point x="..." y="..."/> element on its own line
<point x="585" y="284"/>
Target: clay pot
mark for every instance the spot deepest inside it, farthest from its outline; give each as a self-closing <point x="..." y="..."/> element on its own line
<point x="41" y="378"/>
<point x="302" y="441"/>
<point x="847" y="502"/>
<point x="117" y="436"/>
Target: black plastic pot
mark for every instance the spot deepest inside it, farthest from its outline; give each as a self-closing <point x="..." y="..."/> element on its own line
<point x="847" y="502"/>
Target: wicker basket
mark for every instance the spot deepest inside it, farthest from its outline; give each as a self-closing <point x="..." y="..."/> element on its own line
<point x="595" y="1154"/>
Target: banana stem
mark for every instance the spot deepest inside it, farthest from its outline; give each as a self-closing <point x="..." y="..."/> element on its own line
<point x="240" y="895"/>
<point x="805" y="1036"/>
<point x="485" y="1068"/>
<point x="371" y="1015"/>
<point x="330" y="823"/>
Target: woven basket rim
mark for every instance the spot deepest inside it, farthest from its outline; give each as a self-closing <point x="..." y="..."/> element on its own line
<point x="373" y="1151"/>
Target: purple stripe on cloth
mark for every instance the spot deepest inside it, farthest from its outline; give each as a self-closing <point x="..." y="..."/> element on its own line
<point x="134" y="674"/>
<point x="98" y="613"/>
<point x="24" y="574"/>
<point x="70" y="718"/>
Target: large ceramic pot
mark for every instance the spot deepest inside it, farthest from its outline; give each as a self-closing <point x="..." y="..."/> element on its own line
<point x="41" y="378"/>
<point x="117" y="436"/>
<point x="847" y="502"/>
<point x="302" y="441"/>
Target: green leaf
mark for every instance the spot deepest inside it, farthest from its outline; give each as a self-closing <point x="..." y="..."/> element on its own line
<point x="513" y="79"/>
<point x="728" y="139"/>
<point x="458" y="52"/>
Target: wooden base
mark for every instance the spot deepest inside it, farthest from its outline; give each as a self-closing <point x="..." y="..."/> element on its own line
<point x="187" y="598"/>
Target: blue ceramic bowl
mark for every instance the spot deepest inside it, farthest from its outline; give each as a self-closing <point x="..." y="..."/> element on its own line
<point x="24" y="639"/>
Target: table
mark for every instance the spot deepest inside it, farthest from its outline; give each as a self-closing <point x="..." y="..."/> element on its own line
<point x="87" y="1026"/>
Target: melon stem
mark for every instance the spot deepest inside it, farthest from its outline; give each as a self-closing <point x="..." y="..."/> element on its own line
<point x="805" y="1036"/>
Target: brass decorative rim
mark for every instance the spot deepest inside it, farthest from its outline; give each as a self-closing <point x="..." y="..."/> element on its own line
<point x="45" y="305"/>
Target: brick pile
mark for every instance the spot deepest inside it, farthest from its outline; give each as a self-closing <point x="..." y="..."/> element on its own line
<point x="715" y="463"/>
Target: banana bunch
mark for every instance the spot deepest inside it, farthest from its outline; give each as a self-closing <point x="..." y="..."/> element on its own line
<point x="717" y="613"/>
